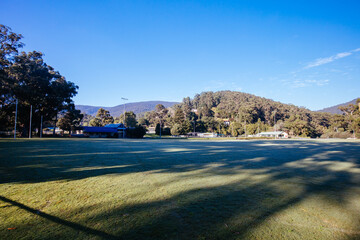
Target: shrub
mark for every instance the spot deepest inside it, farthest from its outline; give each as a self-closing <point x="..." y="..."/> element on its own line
<point x="164" y="130"/>
<point x="337" y="135"/>
<point x="136" y="132"/>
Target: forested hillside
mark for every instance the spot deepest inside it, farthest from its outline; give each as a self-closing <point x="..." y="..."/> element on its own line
<point x="237" y="113"/>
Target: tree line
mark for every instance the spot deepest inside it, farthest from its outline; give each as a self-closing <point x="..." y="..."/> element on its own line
<point x="235" y="113"/>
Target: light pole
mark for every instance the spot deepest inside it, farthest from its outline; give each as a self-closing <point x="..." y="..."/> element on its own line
<point x="16" y="109"/>
<point x="41" y="123"/>
<point x="30" y="121"/>
<point x="125" y="99"/>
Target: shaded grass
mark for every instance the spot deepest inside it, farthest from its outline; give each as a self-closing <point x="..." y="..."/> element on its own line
<point x="179" y="189"/>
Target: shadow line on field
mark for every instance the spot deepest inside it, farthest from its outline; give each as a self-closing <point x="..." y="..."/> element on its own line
<point x="74" y="160"/>
<point x="63" y="222"/>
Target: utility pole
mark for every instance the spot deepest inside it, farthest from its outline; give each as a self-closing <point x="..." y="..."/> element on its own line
<point x="125" y="99"/>
<point x="54" y="131"/>
<point x="16" y="109"/>
<point x="41" y="126"/>
<point x="30" y="121"/>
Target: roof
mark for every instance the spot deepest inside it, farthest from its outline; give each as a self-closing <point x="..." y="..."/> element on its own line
<point x="99" y="130"/>
<point x="115" y="125"/>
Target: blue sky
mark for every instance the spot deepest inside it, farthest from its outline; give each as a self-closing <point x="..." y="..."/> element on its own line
<point x="306" y="53"/>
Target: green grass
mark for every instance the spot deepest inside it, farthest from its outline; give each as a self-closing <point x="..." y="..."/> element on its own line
<point x="179" y="189"/>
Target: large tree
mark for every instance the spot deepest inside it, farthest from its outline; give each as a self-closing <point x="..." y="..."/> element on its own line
<point x="179" y="116"/>
<point x="9" y="45"/>
<point x="130" y="119"/>
<point x="38" y="85"/>
<point x="160" y="113"/>
<point x="102" y="118"/>
<point x="71" y="120"/>
<point x="27" y="78"/>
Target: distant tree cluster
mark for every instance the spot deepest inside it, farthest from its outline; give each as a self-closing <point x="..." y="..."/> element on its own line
<point x="236" y="113"/>
<point x="134" y="129"/>
<point x="25" y="78"/>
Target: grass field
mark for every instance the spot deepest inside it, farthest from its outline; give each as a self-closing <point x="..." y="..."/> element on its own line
<point x="179" y="189"/>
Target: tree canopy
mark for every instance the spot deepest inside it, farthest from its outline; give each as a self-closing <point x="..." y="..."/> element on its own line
<point x="71" y="120"/>
<point x="27" y="78"/>
<point x="102" y="118"/>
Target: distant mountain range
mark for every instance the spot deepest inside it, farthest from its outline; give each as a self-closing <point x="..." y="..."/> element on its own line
<point x="141" y="107"/>
<point x="136" y="107"/>
<point x="335" y="109"/>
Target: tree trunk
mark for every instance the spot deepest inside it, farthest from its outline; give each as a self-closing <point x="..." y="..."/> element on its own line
<point x="55" y="125"/>
<point x="39" y="128"/>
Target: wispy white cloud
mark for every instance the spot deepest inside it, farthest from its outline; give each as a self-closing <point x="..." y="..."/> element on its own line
<point x="298" y="83"/>
<point x="321" y="61"/>
<point x="311" y="77"/>
<point x="300" y="80"/>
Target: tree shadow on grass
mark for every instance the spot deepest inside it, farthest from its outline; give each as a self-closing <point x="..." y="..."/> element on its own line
<point x="41" y="161"/>
<point x="294" y="172"/>
<point x="238" y="209"/>
<point x="58" y="220"/>
<point x="232" y="211"/>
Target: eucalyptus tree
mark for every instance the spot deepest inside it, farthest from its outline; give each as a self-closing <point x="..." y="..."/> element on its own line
<point x="102" y="118"/>
<point x="71" y="120"/>
<point x="38" y="85"/>
<point x="9" y="45"/>
<point x="28" y="79"/>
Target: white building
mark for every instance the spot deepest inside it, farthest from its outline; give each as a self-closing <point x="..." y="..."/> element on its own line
<point x="278" y="134"/>
<point x="207" y="135"/>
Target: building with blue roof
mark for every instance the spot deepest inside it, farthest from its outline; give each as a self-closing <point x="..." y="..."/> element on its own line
<point x="116" y="130"/>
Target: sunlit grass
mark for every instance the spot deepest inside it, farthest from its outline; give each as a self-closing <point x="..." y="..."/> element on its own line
<point x="179" y="189"/>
